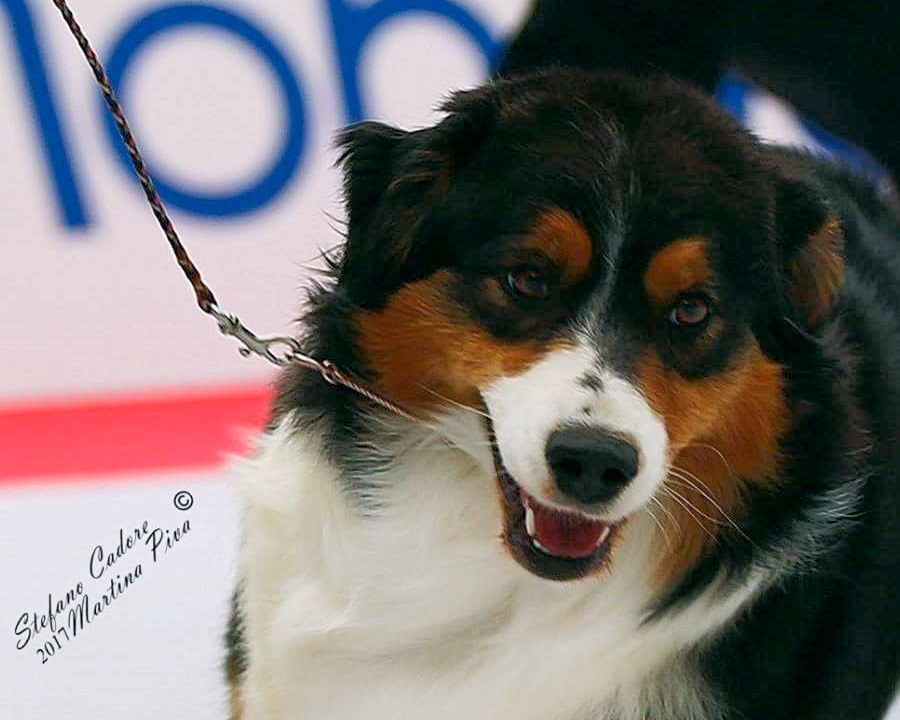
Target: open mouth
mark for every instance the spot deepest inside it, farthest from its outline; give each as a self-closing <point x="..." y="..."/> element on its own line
<point x="551" y="543"/>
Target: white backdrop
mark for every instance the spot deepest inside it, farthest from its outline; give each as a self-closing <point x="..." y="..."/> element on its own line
<point x="116" y="393"/>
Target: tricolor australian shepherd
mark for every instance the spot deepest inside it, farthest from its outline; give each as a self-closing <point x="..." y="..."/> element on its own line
<point x="655" y="471"/>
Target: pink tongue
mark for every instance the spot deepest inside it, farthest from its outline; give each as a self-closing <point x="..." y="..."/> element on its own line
<point x="565" y="534"/>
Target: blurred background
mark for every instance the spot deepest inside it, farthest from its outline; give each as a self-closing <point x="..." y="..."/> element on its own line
<point x="119" y="401"/>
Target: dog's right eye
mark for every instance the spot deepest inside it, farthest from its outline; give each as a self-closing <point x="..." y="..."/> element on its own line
<point x="528" y="282"/>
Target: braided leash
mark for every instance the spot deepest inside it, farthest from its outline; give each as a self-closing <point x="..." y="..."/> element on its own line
<point x="205" y="298"/>
<point x="280" y="351"/>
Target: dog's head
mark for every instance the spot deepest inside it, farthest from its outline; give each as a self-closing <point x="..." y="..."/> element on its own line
<point x="602" y="266"/>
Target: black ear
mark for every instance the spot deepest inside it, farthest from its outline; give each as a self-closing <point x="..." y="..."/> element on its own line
<point x="378" y="240"/>
<point x="392" y="179"/>
<point x="811" y="240"/>
<point x="368" y="150"/>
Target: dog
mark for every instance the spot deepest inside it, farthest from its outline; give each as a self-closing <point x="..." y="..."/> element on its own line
<point x="654" y="471"/>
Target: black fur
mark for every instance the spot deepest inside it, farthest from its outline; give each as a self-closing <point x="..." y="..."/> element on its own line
<point x="832" y="60"/>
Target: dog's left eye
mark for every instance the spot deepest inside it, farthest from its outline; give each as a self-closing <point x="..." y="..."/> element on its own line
<point x="689" y="311"/>
<point x="528" y="282"/>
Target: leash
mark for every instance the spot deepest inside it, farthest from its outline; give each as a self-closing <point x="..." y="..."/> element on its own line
<point x="281" y="350"/>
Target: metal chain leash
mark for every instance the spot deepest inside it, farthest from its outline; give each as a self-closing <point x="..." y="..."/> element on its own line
<point x="230" y="325"/>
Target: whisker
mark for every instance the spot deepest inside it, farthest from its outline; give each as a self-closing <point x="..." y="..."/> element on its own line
<point x="668" y="513"/>
<point x="662" y="530"/>
<point x="689" y="508"/>
<point x="715" y="450"/>
<point x="699" y="511"/>
<point x="461" y="406"/>
<point x="695" y="482"/>
<point x="686" y="477"/>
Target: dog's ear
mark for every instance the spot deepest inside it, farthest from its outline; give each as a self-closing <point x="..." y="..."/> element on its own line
<point x="391" y="179"/>
<point x="811" y="241"/>
<point x="368" y="152"/>
<point x="377" y="246"/>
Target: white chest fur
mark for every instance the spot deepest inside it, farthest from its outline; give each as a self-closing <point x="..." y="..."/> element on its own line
<point x="412" y="609"/>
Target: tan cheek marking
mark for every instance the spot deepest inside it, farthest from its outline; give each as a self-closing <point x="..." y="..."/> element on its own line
<point x="676" y="268"/>
<point x="721" y="429"/>
<point x="421" y="343"/>
<point x="565" y="241"/>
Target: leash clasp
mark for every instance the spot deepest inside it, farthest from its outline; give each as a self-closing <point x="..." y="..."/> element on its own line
<point x="279" y="350"/>
<point x="282" y="350"/>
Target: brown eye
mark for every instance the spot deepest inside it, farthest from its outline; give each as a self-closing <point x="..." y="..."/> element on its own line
<point x="689" y="311"/>
<point x="528" y="282"/>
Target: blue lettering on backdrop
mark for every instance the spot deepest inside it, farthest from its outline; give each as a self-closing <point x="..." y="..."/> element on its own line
<point x="273" y="179"/>
<point x="55" y="147"/>
<point x="352" y="26"/>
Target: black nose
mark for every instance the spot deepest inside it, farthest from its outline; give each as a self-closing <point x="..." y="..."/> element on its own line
<point x="590" y="466"/>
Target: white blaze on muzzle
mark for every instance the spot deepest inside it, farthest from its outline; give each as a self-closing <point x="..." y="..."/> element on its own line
<point x="552" y="394"/>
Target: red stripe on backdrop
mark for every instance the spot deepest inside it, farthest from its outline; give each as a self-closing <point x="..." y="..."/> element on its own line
<point x="182" y="429"/>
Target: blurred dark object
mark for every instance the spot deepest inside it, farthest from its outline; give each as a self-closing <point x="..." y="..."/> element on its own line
<point x="835" y="62"/>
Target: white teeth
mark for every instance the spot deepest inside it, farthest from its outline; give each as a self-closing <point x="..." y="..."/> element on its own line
<point x="540" y="547"/>
<point x="530" y="528"/>
<point x="529" y="521"/>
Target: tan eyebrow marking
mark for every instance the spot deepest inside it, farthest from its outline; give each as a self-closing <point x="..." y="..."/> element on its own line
<point x="564" y="240"/>
<point x="675" y="268"/>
